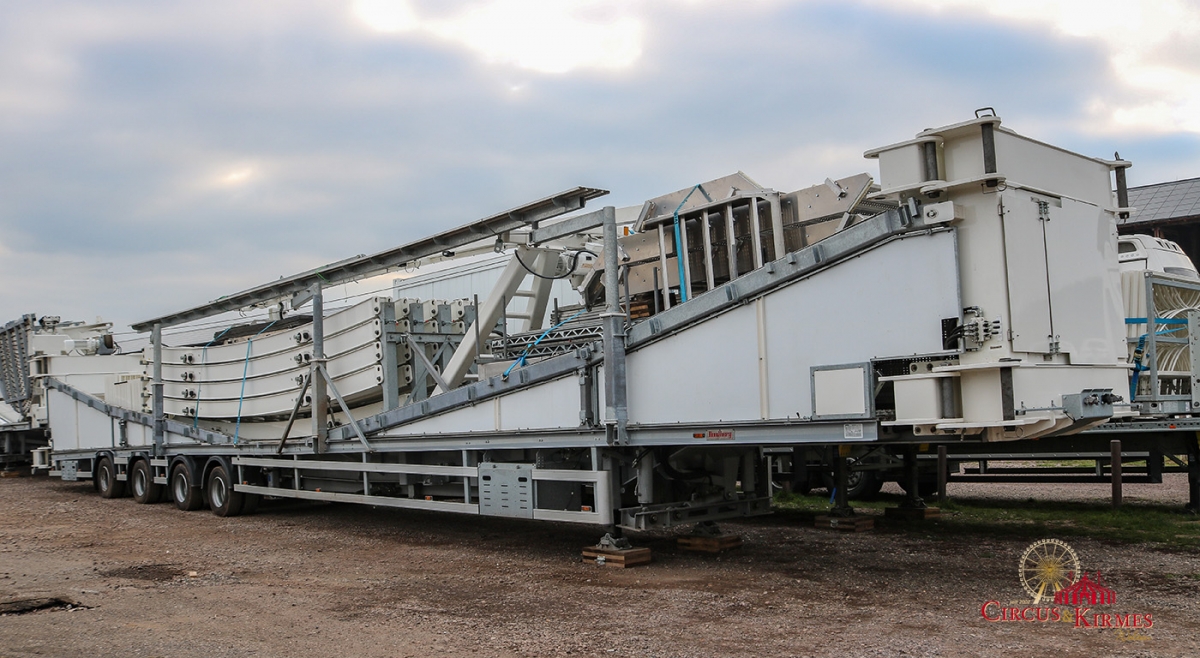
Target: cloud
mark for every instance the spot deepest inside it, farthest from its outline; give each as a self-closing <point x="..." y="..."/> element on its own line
<point x="1151" y="48"/>
<point x="155" y="156"/>
<point x="545" y="36"/>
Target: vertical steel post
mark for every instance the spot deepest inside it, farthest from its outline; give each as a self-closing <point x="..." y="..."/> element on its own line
<point x="1115" y="472"/>
<point x="390" y="358"/>
<point x="756" y="232"/>
<point x="662" y="262"/>
<point x="657" y="293"/>
<point x="1122" y="188"/>
<point x="320" y="400"/>
<point x="777" y="226"/>
<point x="731" y="242"/>
<point x="616" y="412"/>
<point x="466" y="461"/>
<point x="157" y="391"/>
<point x="929" y="150"/>
<point x="988" y="133"/>
<point x="706" y="229"/>
<point x="943" y="473"/>
<point x="912" y="479"/>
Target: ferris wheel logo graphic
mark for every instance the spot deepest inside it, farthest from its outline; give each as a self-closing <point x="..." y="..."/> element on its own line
<point x="1047" y="567"/>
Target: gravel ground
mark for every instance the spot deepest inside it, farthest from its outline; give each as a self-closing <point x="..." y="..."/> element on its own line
<point x="334" y="580"/>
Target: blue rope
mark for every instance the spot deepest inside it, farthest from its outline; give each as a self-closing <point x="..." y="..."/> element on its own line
<point x="679" y="255"/>
<point x="245" y="369"/>
<point x="200" y="382"/>
<point x="521" y="359"/>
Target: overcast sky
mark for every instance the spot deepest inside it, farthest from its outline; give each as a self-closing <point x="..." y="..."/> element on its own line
<point x="156" y="155"/>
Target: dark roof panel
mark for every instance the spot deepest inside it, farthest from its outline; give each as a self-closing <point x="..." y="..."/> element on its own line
<point x="1165" y="201"/>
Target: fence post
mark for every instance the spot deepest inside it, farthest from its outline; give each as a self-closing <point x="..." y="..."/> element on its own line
<point x="1115" y="471"/>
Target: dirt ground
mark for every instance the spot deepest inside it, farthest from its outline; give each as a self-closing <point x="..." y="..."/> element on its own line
<point x="339" y="580"/>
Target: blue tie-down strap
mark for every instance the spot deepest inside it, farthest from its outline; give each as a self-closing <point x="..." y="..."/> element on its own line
<point x="1156" y="320"/>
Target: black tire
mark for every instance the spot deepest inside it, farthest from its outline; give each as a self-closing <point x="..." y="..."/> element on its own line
<point x="141" y="484"/>
<point x="106" y="479"/>
<point x="222" y="499"/>
<point x="250" y="504"/>
<point x="187" y="497"/>
<point x="860" y="485"/>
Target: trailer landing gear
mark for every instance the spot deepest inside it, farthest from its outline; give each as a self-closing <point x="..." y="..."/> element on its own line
<point x="841" y="516"/>
<point x="707" y="537"/>
<point x="913" y="507"/>
<point x="615" y="552"/>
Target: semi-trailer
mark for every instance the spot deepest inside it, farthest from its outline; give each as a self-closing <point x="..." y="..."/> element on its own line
<point x="974" y="293"/>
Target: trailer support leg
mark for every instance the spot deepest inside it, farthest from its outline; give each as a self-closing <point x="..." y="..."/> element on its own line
<point x="1194" y="475"/>
<point x="841" y="478"/>
<point x="912" y="478"/>
<point x="943" y="474"/>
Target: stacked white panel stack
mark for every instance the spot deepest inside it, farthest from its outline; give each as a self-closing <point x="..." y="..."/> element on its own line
<point x="260" y="376"/>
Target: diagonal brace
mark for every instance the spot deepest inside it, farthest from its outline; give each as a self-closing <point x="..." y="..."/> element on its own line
<point x="345" y="408"/>
<point x="292" y="418"/>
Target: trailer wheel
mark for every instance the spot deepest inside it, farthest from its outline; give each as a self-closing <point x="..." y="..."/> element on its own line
<point x="186" y="497"/>
<point x="860" y="485"/>
<point x="222" y="499"/>
<point x="106" y="479"/>
<point x="141" y="482"/>
<point x="250" y="504"/>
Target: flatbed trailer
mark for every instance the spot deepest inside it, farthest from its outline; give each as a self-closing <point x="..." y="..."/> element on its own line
<point x="970" y="297"/>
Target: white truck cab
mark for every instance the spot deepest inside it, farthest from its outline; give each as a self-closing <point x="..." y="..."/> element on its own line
<point x="1146" y="252"/>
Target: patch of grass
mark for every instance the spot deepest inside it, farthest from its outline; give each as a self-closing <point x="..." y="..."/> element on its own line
<point x="1165" y="525"/>
<point x="1064" y="463"/>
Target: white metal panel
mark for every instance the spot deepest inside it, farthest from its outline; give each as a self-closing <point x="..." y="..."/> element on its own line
<point x="1085" y="283"/>
<point x="335" y="325"/>
<point x="1025" y="256"/>
<point x="840" y="392"/>
<point x="901" y="167"/>
<point x="141" y="436"/>
<point x="480" y="417"/>
<point x="826" y="320"/>
<point x="708" y="372"/>
<point x="554" y="404"/>
<point x="918" y="398"/>
<point x="362" y="384"/>
<point x="77" y="426"/>
<point x="1042" y="385"/>
<point x="92" y="373"/>
<point x="1046" y="167"/>
<point x="264" y="384"/>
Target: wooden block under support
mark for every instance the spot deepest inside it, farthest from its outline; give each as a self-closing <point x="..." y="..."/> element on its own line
<point x="620" y="558"/>
<point x="912" y="513"/>
<point x="845" y="523"/>
<point x="708" y="544"/>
